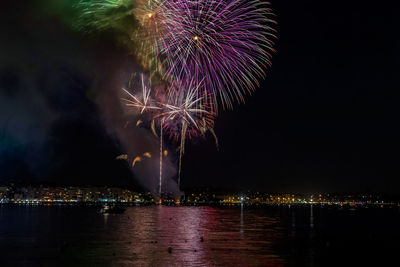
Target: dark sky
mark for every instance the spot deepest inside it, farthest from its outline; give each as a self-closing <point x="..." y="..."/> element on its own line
<point x="324" y="119"/>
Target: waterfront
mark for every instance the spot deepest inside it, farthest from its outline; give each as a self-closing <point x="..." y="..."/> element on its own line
<point x="198" y="236"/>
<point x="91" y="195"/>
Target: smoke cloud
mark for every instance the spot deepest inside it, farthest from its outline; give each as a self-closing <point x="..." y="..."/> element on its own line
<point x="61" y="117"/>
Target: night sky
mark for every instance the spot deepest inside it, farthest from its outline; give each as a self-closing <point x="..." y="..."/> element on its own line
<point x="324" y="119"/>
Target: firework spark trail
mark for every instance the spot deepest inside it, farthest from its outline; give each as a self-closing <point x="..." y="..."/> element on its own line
<point x="184" y="102"/>
<point x="141" y="104"/>
<point x="147" y="154"/>
<point x="149" y="14"/>
<point x="124" y="156"/>
<point x="137" y="159"/>
<point x="184" y="110"/>
<point x="135" y="23"/>
<point x="153" y="128"/>
<point x="181" y="151"/>
<point x="100" y="15"/>
<point x="161" y="157"/>
<point x="227" y="43"/>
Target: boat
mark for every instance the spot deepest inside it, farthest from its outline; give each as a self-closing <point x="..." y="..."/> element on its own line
<point x="112" y="210"/>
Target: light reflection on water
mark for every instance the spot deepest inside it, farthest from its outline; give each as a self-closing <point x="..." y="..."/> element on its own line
<point x="142" y="236"/>
<point x="198" y="236"/>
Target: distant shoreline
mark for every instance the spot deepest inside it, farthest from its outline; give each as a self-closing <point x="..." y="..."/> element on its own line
<point x="222" y="205"/>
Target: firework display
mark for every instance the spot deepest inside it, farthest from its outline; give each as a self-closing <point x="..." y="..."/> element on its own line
<point x="150" y="17"/>
<point x="225" y="43"/>
<point x="101" y="15"/>
<point x="143" y="104"/>
<point x="183" y="115"/>
<point x="195" y="56"/>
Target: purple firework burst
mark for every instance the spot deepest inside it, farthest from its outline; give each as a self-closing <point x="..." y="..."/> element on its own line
<point x="227" y="44"/>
